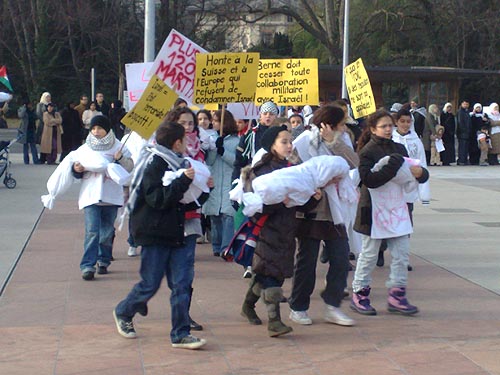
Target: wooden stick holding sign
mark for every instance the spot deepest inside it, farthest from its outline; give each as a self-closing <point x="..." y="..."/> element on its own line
<point x="221" y="129"/>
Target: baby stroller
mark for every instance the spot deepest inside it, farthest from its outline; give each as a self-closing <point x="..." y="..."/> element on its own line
<point x="9" y="182"/>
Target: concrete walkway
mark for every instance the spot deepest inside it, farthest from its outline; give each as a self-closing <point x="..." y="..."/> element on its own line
<point x="53" y="322"/>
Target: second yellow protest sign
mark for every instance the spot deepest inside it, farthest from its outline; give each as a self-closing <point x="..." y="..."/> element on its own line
<point x="154" y="104"/>
<point x="288" y="82"/>
<point x="359" y="89"/>
<point x="225" y="77"/>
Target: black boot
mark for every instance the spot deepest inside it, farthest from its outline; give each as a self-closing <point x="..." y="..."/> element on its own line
<point x="272" y="297"/>
<point x="192" y="324"/>
<point x="251" y="298"/>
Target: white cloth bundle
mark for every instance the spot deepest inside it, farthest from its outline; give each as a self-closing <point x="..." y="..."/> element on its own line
<point x="4" y="97"/>
<point x="118" y="174"/>
<point x="59" y="181"/>
<point x="199" y="184"/>
<point x="134" y="143"/>
<point x="298" y="183"/>
<point x="93" y="161"/>
<point x="390" y="216"/>
<point x="208" y="138"/>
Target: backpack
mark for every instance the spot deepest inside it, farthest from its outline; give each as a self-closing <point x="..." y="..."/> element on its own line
<point x="244" y="241"/>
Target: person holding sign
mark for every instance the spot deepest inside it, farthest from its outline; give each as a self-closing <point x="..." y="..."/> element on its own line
<point x="381" y="210"/>
<point x="220" y="162"/>
<point x="158" y="225"/>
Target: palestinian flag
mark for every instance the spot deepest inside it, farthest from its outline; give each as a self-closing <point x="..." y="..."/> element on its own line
<point x="4" y="78"/>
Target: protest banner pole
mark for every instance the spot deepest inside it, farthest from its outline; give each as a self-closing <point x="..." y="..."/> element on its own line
<point x="222" y="119"/>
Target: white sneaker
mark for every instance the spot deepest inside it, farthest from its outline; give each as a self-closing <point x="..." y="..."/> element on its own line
<point x="336" y="316"/>
<point x="300" y="317"/>
<point x="132" y="251"/>
<point x="248" y="273"/>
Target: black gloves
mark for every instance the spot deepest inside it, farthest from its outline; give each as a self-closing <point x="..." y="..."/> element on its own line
<point x="219" y="143"/>
<point x="396" y="160"/>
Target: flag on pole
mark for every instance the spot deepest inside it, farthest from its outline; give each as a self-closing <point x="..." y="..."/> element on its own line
<point x="4" y="78"/>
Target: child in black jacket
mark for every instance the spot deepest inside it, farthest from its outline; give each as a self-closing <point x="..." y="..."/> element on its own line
<point x="157" y="224"/>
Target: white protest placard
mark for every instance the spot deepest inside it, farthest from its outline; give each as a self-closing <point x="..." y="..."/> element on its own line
<point x="175" y="64"/>
<point x="242" y="111"/>
<point x="137" y="81"/>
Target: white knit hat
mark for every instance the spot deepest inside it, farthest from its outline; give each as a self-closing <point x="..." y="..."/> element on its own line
<point x="269" y="107"/>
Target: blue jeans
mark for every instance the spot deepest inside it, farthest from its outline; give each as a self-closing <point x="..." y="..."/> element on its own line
<point x="99" y="235"/>
<point x="34" y="153"/>
<point x="222" y="232"/>
<point x="177" y="264"/>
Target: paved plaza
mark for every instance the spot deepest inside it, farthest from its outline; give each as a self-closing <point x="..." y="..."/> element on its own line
<point x="53" y="322"/>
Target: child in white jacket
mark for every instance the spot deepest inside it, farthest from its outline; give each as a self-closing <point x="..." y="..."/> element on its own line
<point x="100" y="196"/>
<point x="405" y="134"/>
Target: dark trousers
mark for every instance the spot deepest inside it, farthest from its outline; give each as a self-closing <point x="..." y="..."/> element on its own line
<point x="463" y="150"/>
<point x="304" y="277"/>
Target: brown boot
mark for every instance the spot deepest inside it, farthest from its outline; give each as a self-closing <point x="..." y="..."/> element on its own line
<point x="272" y="297"/>
<point x="251" y="298"/>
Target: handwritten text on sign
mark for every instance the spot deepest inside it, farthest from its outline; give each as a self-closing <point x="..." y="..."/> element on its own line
<point x="152" y="107"/>
<point x="244" y="110"/>
<point x="225" y="77"/>
<point x="288" y="82"/>
<point x="175" y="64"/>
<point x="359" y="89"/>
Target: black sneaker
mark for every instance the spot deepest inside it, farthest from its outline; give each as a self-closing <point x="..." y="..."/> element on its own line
<point x="88" y="275"/>
<point x="125" y="326"/>
<point x="195" y="326"/>
<point x="102" y="270"/>
<point x="189" y="342"/>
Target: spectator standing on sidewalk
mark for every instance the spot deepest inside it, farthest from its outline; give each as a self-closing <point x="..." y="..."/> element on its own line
<point x="463" y="133"/>
<point x="50" y="144"/>
<point x="27" y="129"/>
<point x="447" y="120"/>
<point x="41" y="108"/>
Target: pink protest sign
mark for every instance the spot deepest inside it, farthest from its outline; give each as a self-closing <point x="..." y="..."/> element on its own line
<point x="175" y="64"/>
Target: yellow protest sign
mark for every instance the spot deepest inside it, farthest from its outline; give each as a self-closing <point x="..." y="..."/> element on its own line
<point x="359" y="89"/>
<point x="154" y="104"/>
<point x="225" y="77"/>
<point x="288" y="82"/>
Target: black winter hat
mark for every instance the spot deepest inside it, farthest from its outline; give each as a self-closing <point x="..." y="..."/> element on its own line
<point x="270" y="136"/>
<point x="101" y="121"/>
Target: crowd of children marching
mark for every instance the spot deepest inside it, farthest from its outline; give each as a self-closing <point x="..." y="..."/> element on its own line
<point x="328" y="197"/>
